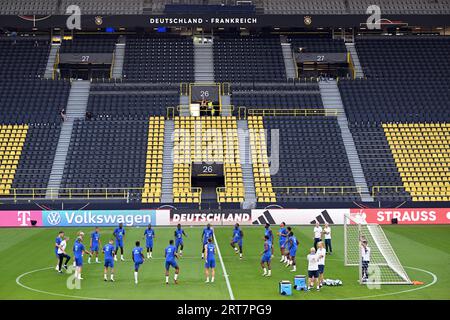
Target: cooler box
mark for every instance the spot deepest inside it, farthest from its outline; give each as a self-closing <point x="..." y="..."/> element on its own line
<point x="286" y="288"/>
<point x="300" y="283"/>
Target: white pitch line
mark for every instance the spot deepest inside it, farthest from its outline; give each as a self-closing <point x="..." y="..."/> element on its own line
<point x="47" y="292"/>
<point x="225" y="274"/>
<point x="435" y="279"/>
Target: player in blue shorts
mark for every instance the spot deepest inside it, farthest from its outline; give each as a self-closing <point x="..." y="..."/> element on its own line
<point x="149" y="235"/>
<point x="210" y="259"/>
<point x="58" y="240"/>
<point x="171" y="256"/>
<point x="119" y="234"/>
<point x="95" y="244"/>
<point x="282" y="234"/>
<point x="266" y="257"/>
<point x="78" y="251"/>
<point x="206" y="234"/>
<point x="179" y="244"/>
<point x="287" y="247"/>
<point x="268" y="232"/>
<point x="293" y="245"/>
<point x="138" y="259"/>
<point x="238" y="235"/>
<point x="108" y="251"/>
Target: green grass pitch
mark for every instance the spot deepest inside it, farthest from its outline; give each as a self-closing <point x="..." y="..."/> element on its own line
<point x="27" y="267"/>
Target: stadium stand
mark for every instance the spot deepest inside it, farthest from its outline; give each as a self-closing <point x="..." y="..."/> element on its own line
<point x="276" y="96"/>
<point x="154" y="161"/>
<point x="132" y="100"/>
<point x="317" y="44"/>
<point x="27" y="7"/>
<point x="23" y="57"/>
<point x="159" y="59"/>
<point x="104" y="154"/>
<point x="405" y="57"/>
<point x="35" y="165"/>
<point x="89" y="44"/>
<point x="205" y="140"/>
<point x="105" y="6"/>
<point x="304" y="6"/>
<point x="402" y="6"/>
<point x="307" y="167"/>
<point x="32" y="101"/>
<point x="248" y="59"/>
<point x="260" y="161"/>
<point x="368" y="110"/>
<point x="12" y="139"/>
<point x="422" y="154"/>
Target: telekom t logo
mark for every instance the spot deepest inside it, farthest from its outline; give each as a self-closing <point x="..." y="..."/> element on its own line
<point x="23" y="217"/>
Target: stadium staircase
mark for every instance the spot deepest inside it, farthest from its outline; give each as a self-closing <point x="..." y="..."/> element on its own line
<point x="288" y="60"/>
<point x="226" y="106"/>
<point x="119" y="56"/>
<point x="203" y="61"/>
<point x="49" y="69"/>
<point x="167" y="170"/>
<point x="331" y="99"/>
<point x="246" y="164"/>
<point x="76" y="109"/>
<point x="356" y="63"/>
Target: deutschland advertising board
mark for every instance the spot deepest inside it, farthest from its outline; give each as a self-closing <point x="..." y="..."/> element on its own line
<point x="219" y="217"/>
<point x="86" y="218"/>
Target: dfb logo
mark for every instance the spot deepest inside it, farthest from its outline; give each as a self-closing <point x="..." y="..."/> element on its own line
<point x="23" y="217"/>
<point x="54" y="218"/>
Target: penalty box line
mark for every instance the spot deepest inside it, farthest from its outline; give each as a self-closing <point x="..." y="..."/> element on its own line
<point x="225" y="273"/>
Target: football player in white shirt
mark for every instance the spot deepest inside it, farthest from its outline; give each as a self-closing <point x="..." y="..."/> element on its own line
<point x="327" y="233"/>
<point x="313" y="269"/>
<point x="62" y="254"/>
<point x="365" y="257"/>
<point x="321" y="253"/>
<point x="317" y="235"/>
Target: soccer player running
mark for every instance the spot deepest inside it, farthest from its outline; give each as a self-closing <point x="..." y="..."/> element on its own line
<point x="266" y="257"/>
<point x="179" y="243"/>
<point x="78" y="251"/>
<point x="108" y="251"/>
<point x="119" y="234"/>
<point x="210" y="260"/>
<point x="293" y="245"/>
<point x="268" y="232"/>
<point x="282" y="234"/>
<point x="321" y="254"/>
<point x="171" y="255"/>
<point x="317" y="234"/>
<point x="313" y="269"/>
<point x="58" y="240"/>
<point x="149" y="235"/>
<point x="206" y="234"/>
<point x="238" y="235"/>
<point x="61" y="252"/>
<point x="138" y="259"/>
<point x="95" y="244"/>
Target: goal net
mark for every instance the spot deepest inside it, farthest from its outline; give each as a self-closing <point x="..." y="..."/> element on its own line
<point x="383" y="267"/>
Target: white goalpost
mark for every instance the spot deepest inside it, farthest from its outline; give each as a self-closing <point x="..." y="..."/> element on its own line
<point x="383" y="267"/>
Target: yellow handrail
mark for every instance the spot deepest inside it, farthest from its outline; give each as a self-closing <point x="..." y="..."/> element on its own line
<point x="377" y="189"/>
<point x="324" y="190"/>
<point x="71" y="193"/>
<point x="293" y="112"/>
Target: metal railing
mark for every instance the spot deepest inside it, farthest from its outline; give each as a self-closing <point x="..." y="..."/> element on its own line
<point x="221" y="193"/>
<point x="291" y="112"/>
<point x="320" y="190"/>
<point x="71" y="193"/>
<point x="377" y="189"/>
